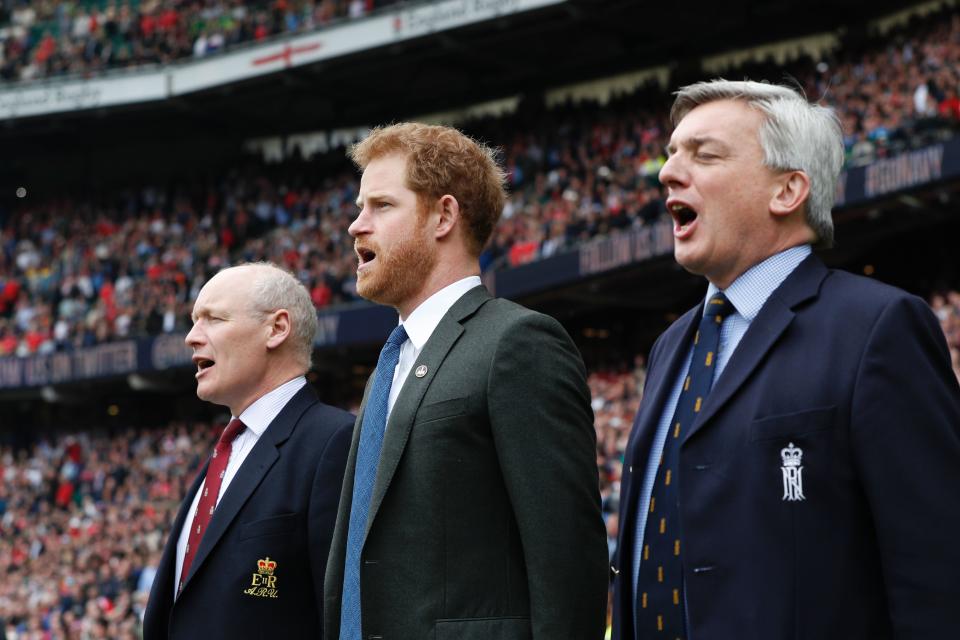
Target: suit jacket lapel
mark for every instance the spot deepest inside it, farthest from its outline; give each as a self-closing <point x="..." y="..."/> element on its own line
<point x="774" y="318"/>
<point x="256" y="465"/>
<point x="166" y="571"/>
<point x="405" y="409"/>
<point x="675" y="349"/>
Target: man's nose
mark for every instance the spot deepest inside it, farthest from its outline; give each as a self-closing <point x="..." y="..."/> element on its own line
<point x="360" y="224"/>
<point x="672" y="172"/>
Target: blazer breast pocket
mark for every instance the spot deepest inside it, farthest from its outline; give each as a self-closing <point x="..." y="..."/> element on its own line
<point x="508" y="628"/>
<point x="792" y="425"/>
<point x="274" y="525"/>
<point x="441" y="410"/>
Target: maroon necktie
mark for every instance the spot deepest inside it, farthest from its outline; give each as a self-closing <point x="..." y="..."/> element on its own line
<point x="211" y="489"/>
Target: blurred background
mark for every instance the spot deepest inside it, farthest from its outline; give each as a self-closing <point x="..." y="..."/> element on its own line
<point x="145" y="144"/>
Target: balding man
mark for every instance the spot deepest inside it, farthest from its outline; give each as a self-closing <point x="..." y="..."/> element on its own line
<point x="248" y="549"/>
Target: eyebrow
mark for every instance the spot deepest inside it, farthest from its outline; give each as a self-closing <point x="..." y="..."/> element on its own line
<point x="376" y="195"/>
<point x="695" y="141"/>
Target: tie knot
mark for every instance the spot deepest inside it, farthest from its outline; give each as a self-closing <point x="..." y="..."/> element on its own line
<point x="398" y="336"/>
<point x="233" y="429"/>
<point x="718" y="306"/>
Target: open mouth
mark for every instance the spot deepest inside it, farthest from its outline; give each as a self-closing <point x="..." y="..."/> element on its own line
<point x="683" y="218"/>
<point x="202" y="364"/>
<point x="365" y="256"/>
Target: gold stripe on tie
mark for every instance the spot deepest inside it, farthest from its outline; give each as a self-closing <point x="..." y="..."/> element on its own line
<point x="652" y="502"/>
<point x="686" y="384"/>
<point x="676" y="547"/>
<point x="646" y="552"/>
<point x="709" y="358"/>
<point x="663" y="525"/>
<point x="659" y="574"/>
<point x="715" y="301"/>
<point x="719" y="319"/>
<point x="666" y="480"/>
<point x="696" y="337"/>
<point x="696" y="407"/>
<point x="676" y="596"/>
<point x="659" y="623"/>
<point x="643" y="600"/>
<point x="676" y="430"/>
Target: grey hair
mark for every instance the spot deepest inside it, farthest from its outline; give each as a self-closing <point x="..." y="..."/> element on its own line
<point x="272" y="288"/>
<point x="795" y="135"/>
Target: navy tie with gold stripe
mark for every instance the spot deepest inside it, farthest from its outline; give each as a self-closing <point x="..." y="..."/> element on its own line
<point x="660" y="602"/>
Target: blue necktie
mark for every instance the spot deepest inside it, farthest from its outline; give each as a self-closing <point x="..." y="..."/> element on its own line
<point x="368" y="457"/>
<point x="660" y="602"/>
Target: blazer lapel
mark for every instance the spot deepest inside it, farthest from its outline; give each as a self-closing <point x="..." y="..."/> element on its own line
<point x="774" y="318"/>
<point x="166" y="571"/>
<point x="676" y="351"/>
<point x="256" y="465"/>
<point x="405" y="409"/>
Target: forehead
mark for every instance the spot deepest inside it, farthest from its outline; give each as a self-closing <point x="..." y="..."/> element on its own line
<point x="226" y="291"/>
<point x="728" y="121"/>
<point x="386" y="173"/>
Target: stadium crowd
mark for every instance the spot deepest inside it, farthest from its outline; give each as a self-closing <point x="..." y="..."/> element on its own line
<point x="83" y="518"/>
<point x="77" y="272"/>
<point x="51" y="39"/>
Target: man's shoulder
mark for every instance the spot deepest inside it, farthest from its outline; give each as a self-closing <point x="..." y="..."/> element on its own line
<point x="325" y="412"/>
<point x="850" y="297"/>
<point x="319" y="421"/>
<point x="506" y="313"/>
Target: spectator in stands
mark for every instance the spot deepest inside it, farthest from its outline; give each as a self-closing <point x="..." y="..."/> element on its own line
<point x="266" y="501"/>
<point x="841" y="382"/>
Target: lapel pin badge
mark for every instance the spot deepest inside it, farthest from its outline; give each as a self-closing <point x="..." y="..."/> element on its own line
<point x="421" y="371"/>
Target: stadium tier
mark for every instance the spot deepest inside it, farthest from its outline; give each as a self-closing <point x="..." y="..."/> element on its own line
<point x="113" y="215"/>
<point x="78" y="272"/>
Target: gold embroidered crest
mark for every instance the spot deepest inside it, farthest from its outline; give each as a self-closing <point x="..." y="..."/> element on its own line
<point x="263" y="583"/>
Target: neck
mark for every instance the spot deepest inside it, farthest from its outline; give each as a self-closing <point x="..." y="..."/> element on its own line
<point x="441" y="278"/>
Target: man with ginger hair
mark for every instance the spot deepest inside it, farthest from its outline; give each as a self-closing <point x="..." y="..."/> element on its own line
<point x="470" y="506"/>
<point x="247" y="554"/>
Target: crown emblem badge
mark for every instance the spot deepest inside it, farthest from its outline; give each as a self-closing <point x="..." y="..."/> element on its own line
<point x="263" y="583"/>
<point x="266" y="566"/>
<point x="792" y="469"/>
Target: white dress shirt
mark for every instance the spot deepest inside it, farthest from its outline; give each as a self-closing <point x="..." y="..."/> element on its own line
<point x="420" y="325"/>
<point x="257" y="417"/>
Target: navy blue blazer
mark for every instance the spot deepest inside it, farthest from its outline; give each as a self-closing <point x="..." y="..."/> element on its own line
<point x="259" y="570"/>
<point x="855" y="375"/>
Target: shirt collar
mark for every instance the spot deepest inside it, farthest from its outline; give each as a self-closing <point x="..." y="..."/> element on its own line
<point x="750" y="291"/>
<point x="425" y="318"/>
<point x="258" y="416"/>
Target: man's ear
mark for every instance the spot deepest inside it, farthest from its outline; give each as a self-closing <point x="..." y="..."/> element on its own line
<point x="449" y="210"/>
<point x="793" y="187"/>
<point x="278" y="328"/>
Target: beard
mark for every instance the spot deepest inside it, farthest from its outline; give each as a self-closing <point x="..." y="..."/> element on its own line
<point x="400" y="272"/>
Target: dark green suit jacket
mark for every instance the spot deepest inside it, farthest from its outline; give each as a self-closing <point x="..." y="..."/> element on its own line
<point x="485" y="517"/>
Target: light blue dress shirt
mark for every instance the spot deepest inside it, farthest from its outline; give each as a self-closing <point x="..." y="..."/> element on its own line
<point x="748" y="293"/>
